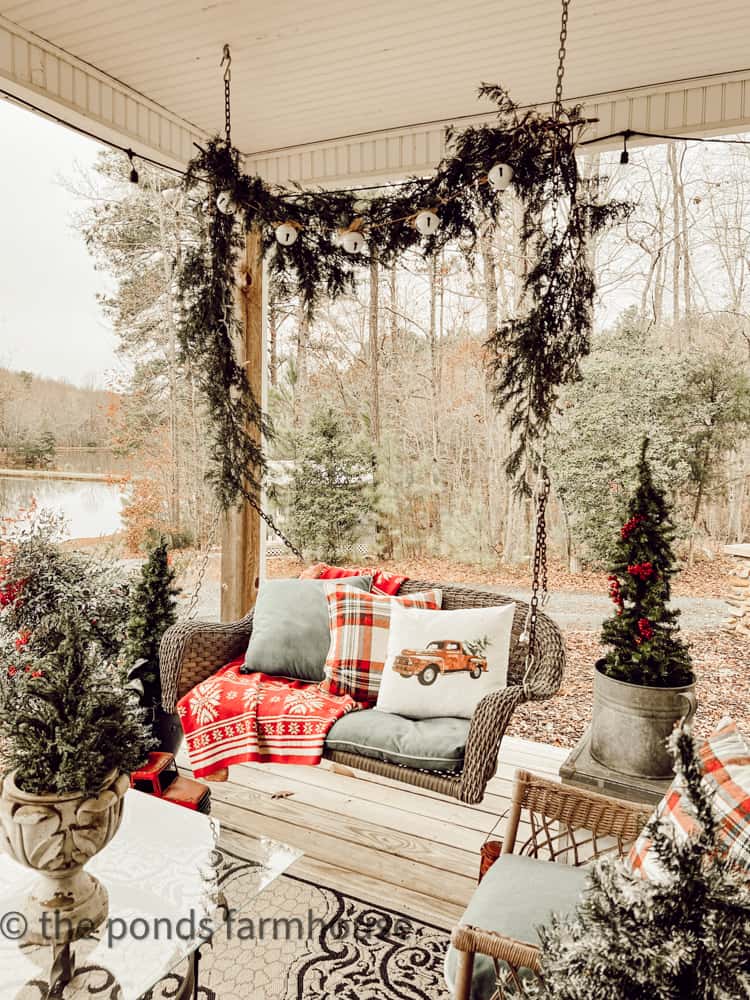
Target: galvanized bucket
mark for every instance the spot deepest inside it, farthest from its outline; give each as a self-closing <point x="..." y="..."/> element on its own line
<point x="631" y="724"/>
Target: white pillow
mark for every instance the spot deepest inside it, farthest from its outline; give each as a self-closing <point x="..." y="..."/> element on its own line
<point x="442" y="663"/>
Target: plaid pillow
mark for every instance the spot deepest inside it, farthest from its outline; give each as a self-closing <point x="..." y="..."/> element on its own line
<point x="725" y="759"/>
<point x="359" y="639"/>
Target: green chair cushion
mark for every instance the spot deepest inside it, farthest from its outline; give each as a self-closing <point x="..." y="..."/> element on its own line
<point x="429" y="744"/>
<point x="291" y="634"/>
<point x="515" y="896"/>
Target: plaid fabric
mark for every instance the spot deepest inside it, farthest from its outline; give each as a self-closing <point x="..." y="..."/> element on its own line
<point x="725" y="759"/>
<point x="382" y="582"/>
<point x="359" y="639"/>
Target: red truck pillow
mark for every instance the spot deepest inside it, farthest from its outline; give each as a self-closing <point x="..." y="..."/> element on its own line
<point x="440" y="664"/>
<point x="359" y="639"/>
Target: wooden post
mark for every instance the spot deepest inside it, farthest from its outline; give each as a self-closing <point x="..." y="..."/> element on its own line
<point x="241" y="530"/>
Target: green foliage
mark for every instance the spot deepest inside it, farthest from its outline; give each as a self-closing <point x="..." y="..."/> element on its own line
<point x="631" y="387"/>
<point x="208" y="327"/>
<point x="478" y="647"/>
<point x="32" y="452"/>
<point x="152" y="611"/>
<point x="643" y="645"/>
<point x="90" y="590"/>
<point x="685" y="936"/>
<point x="330" y="489"/>
<point x="66" y="723"/>
<point x="529" y="356"/>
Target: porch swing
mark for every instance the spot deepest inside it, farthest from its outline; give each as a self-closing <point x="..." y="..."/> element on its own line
<point x="192" y="651"/>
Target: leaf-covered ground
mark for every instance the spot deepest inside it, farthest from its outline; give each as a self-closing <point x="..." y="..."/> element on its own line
<point x="722" y="666"/>
<point x="706" y="578"/>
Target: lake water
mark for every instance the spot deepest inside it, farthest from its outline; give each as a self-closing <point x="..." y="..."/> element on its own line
<point x="90" y="508"/>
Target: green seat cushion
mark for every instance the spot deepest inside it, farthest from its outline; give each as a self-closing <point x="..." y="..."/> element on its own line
<point x="291" y="634"/>
<point x="429" y="744"/>
<point x="515" y="896"/>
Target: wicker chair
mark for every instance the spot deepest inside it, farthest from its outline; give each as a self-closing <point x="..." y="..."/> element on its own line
<point x="191" y="651"/>
<point x="558" y="823"/>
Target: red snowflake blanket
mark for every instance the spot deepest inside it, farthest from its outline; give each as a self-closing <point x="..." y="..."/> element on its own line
<point x="232" y="718"/>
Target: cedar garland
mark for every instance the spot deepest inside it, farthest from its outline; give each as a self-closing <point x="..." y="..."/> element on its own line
<point x="529" y="357"/>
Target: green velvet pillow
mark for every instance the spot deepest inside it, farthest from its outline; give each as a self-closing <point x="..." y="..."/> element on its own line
<point x="291" y="634"/>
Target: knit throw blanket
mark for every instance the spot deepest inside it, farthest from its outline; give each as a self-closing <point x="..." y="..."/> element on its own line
<point x="233" y="718"/>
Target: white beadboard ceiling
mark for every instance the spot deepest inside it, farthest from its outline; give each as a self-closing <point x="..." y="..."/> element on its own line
<point x="311" y="70"/>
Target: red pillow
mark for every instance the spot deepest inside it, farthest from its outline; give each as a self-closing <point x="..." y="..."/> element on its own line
<point x="382" y="582"/>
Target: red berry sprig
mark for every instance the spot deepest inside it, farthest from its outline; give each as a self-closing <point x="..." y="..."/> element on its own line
<point x="629" y="527"/>
<point x="642" y="570"/>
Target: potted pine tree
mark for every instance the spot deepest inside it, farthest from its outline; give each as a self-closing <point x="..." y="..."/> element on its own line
<point x="153" y="610"/>
<point x="645" y="683"/>
<point x="70" y="734"/>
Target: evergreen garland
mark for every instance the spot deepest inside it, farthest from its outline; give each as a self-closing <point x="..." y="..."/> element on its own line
<point x="68" y="720"/>
<point x="152" y="611"/>
<point x="684" y="936"/>
<point x="208" y="331"/>
<point x="644" y="647"/>
<point x="528" y="358"/>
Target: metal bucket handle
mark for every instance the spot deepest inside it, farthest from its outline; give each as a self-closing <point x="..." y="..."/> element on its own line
<point x="692" y="705"/>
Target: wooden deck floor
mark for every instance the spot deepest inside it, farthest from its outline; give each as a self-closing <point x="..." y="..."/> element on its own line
<point x="410" y="849"/>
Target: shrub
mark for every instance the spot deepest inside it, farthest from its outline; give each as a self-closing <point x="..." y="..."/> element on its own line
<point x="68" y="721"/>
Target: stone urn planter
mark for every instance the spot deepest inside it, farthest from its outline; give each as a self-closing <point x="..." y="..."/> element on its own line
<point x="56" y="835"/>
<point x="632" y="722"/>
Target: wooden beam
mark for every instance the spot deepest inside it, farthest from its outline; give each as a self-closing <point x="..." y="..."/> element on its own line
<point x="241" y="531"/>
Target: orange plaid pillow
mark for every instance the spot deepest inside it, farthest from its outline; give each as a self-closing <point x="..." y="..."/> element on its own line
<point x="725" y="759"/>
<point x="359" y="639"/>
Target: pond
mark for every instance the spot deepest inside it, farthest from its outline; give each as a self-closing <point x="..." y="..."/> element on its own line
<point x="91" y="508"/>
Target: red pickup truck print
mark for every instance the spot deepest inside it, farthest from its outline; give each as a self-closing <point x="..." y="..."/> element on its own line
<point x="440" y="657"/>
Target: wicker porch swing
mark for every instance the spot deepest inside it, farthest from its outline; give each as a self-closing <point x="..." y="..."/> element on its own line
<point x="191" y="651"/>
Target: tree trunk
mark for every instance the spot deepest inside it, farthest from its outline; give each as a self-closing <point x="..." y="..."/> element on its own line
<point x="374" y="349"/>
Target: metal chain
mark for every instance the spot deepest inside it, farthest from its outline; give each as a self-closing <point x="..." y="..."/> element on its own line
<point x="210" y="542"/>
<point x="276" y="529"/>
<point x="226" y="63"/>
<point x="539" y="584"/>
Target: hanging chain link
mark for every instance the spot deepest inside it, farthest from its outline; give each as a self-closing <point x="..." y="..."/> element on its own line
<point x="276" y="529"/>
<point x="539" y="585"/>
<point x="226" y="63"/>
<point x="213" y="532"/>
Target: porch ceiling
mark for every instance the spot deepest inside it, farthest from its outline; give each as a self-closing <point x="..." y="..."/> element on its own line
<point x="307" y="72"/>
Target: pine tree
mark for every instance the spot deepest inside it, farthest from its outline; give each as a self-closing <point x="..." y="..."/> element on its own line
<point x="68" y="720"/>
<point x="152" y="611"/>
<point x="331" y="488"/>
<point x="684" y="936"/>
<point x="644" y="647"/>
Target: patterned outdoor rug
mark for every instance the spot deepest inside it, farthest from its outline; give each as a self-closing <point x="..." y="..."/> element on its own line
<point x="317" y="943"/>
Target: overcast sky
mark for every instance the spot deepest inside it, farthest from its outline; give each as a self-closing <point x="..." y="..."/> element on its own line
<point x="50" y="322"/>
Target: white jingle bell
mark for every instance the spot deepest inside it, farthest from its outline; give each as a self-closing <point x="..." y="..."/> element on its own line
<point x="500" y="176"/>
<point x="206" y="206"/>
<point x="225" y="203"/>
<point x="286" y="234"/>
<point x="427" y="223"/>
<point x="353" y="241"/>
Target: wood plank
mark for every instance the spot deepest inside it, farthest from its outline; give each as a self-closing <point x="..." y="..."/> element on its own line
<point x="399" y="898"/>
<point x="353" y="857"/>
<point x="382" y="813"/>
<point x="348" y="830"/>
<point x="364" y="786"/>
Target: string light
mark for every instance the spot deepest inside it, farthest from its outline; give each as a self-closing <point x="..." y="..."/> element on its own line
<point x="624" y="155"/>
<point x="133" y="172"/>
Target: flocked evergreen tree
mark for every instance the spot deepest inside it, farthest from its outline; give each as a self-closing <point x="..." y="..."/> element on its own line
<point x="68" y="720"/>
<point x="683" y="937"/>
<point x="331" y="490"/>
<point x="642" y="640"/>
<point x="152" y="611"/>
